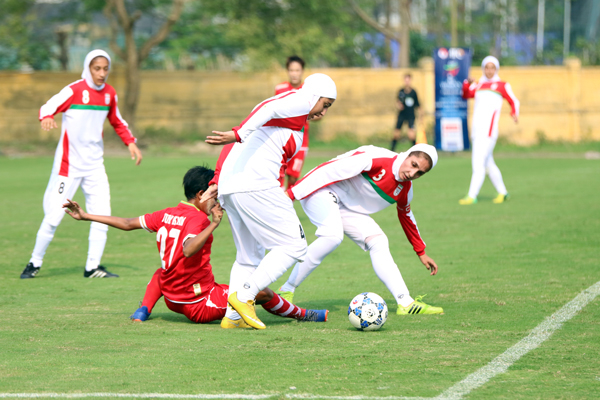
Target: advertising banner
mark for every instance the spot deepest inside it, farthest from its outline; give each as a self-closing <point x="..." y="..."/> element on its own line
<point x="451" y="69"/>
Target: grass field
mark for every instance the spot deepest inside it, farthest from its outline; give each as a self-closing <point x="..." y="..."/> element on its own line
<point x="503" y="270"/>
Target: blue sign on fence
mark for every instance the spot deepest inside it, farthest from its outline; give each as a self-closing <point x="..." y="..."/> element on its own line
<point x="451" y="69"/>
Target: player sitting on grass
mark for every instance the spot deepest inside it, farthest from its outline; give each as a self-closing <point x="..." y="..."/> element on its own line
<point x="338" y="197"/>
<point x="184" y="239"/>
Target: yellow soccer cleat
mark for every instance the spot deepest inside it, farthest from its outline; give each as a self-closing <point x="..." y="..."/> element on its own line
<point x="501" y="198"/>
<point x="246" y="310"/>
<point x="227" y="323"/>
<point x="418" y="307"/>
<point x="289" y="296"/>
<point x="467" y="201"/>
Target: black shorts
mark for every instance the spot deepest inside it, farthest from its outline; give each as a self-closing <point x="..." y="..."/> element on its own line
<point x="410" y="120"/>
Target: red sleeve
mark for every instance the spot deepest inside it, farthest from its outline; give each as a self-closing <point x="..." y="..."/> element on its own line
<point x="468" y="92"/>
<point x="152" y="222"/>
<point x="117" y="121"/>
<point x="508" y="94"/>
<point x="222" y="157"/>
<point x="409" y="225"/>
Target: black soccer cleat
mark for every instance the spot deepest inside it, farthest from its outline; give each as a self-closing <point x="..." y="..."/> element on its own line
<point x="30" y="271"/>
<point x="99" y="272"/>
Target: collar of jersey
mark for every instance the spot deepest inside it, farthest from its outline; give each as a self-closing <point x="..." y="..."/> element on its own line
<point x="189" y="204"/>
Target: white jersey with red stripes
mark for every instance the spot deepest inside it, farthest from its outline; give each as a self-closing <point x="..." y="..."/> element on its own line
<point x="489" y="97"/>
<point x="268" y="138"/>
<point x="81" y="148"/>
<point x="366" y="180"/>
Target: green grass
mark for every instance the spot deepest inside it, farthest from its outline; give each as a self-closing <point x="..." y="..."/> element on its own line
<point x="503" y="269"/>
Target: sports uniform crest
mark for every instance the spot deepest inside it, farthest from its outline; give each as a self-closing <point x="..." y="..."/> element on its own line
<point x="107" y="98"/>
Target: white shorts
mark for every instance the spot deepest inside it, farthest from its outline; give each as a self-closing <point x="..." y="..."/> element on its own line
<point x="263" y="220"/>
<point x="60" y="188"/>
<point x="328" y="214"/>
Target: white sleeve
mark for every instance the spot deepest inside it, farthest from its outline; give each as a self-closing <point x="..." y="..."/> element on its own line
<point x="336" y="170"/>
<point x="279" y="108"/>
<point x="52" y="106"/>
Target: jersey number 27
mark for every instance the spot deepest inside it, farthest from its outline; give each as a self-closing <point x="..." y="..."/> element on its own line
<point x="161" y="236"/>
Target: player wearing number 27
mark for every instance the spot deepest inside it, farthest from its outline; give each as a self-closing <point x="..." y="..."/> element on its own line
<point x="85" y="105"/>
<point x="338" y="197"/>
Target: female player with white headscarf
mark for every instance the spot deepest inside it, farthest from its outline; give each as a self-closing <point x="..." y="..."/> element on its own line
<point x="260" y="214"/>
<point x="338" y="197"/>
<point x="489" y="93"/>
<point x="78" y="161"/>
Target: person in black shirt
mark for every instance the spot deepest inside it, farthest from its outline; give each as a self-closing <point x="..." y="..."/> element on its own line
<point x="406" y="102"/>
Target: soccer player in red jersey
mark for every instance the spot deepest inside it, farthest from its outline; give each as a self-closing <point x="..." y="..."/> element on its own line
<point x="184" y="240"/>
<point x="295" y="69"/>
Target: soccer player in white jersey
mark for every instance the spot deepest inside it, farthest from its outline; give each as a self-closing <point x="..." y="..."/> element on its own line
<point x="338" y="197"/>
<point x="78" y="161"/>
<point x="260" y="214"/>
<point x="489" y="94"/>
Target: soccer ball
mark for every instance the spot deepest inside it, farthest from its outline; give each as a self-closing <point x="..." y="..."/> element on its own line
<point x="367" y="312"/>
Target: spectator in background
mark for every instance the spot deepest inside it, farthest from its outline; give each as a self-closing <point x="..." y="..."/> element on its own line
<point x="407" y="102"/>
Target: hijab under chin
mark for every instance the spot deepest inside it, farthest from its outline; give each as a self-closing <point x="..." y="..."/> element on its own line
<point x="86" y="74"/>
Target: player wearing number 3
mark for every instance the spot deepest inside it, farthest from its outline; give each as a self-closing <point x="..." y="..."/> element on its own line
<point x="78" y="161"/>
<point x="338" y="197"/>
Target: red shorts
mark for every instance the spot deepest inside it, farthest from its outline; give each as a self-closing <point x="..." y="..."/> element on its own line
<point x="211" y="308"/>
<point x="296" y="163"/>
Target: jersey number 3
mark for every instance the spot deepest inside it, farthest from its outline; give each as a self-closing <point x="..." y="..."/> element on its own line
<point x="161" y="236"/>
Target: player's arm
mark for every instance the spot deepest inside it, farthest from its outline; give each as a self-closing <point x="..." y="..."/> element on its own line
<point x="330" y="172"/>
<point x="126" y="224"/>
<point x="213" y="186"/>
<point x="409" y="225"/>
<point x="508" y="94"/>
<point x="58" y="103"/>
<point x="193" y="245"/>
<point x="122" y="129"/>
<point x="468" y="89"/>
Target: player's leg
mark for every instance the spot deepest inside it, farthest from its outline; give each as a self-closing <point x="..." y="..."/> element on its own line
<point x="97" y="201"/>
<point x="295" y="167"/>
<point x="277" y="305"/>
<point x="151" y="296"/>
<point x="58" y="190"/>
<point x="412" y="136"/>
<point x="478" y="158"/>
<point x="397" y="132"/>
<point x="496" y="176"/>
<point x="323" y="211"/>
<point x="270" y="217"/>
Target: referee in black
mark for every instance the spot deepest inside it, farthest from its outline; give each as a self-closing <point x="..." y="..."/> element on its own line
<point x="406" y="102"/>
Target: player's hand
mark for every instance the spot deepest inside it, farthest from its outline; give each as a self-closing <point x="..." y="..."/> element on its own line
<point x="221" y="138"/>
<point x="74" y="210"/>
<point x="515" y="118"/>
<point x="211" y="193"/>
<point x="470" y="80"/>
<point x="217" y="213"/>
<point x="135" y="152"/>
<point x="429" y="263"/>
<point x="48" y="123"/>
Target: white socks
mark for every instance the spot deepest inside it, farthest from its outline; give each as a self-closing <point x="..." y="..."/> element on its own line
<point x="97" y="238"/>
<point x="496" y="176"/>
<point x="44" y="237"/>
<point x="317" y="251"/>
<point x="239" y="274"/>
<point x="271" y="268"/>
<point x="387" y="270"/>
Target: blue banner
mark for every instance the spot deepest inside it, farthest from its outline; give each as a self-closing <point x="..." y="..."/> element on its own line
<point x="451" y="69"/>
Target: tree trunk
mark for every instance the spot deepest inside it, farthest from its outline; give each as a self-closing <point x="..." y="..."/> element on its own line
<point x="404" y="33"/>
<point x="132" y="79"/>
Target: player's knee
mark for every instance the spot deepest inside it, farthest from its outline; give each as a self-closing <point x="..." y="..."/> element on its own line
<point x="377" y="242"/>
<point x="297" y="249"/>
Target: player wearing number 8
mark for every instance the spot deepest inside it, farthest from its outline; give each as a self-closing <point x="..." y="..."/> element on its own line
<point x="78" y="161"/>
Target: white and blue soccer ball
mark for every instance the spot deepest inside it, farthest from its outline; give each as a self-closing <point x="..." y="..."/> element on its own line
<point x="367" y="312"/>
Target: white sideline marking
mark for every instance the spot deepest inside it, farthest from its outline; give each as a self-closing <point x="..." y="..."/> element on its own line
<point x="498" y="365"/>
<point x="538" y="335"/>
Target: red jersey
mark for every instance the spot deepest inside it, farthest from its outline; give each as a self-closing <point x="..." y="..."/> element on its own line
<point x="184" y="279"/>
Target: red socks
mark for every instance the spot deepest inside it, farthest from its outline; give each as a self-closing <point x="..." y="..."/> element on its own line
<point x="153" y="292"/>
<point x="280" y="306"/>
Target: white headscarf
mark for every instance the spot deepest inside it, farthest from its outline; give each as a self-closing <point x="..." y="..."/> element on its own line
<point x="86" y="74"/>
<point x="316" y="86"/>
<point x="486" y="61"/>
